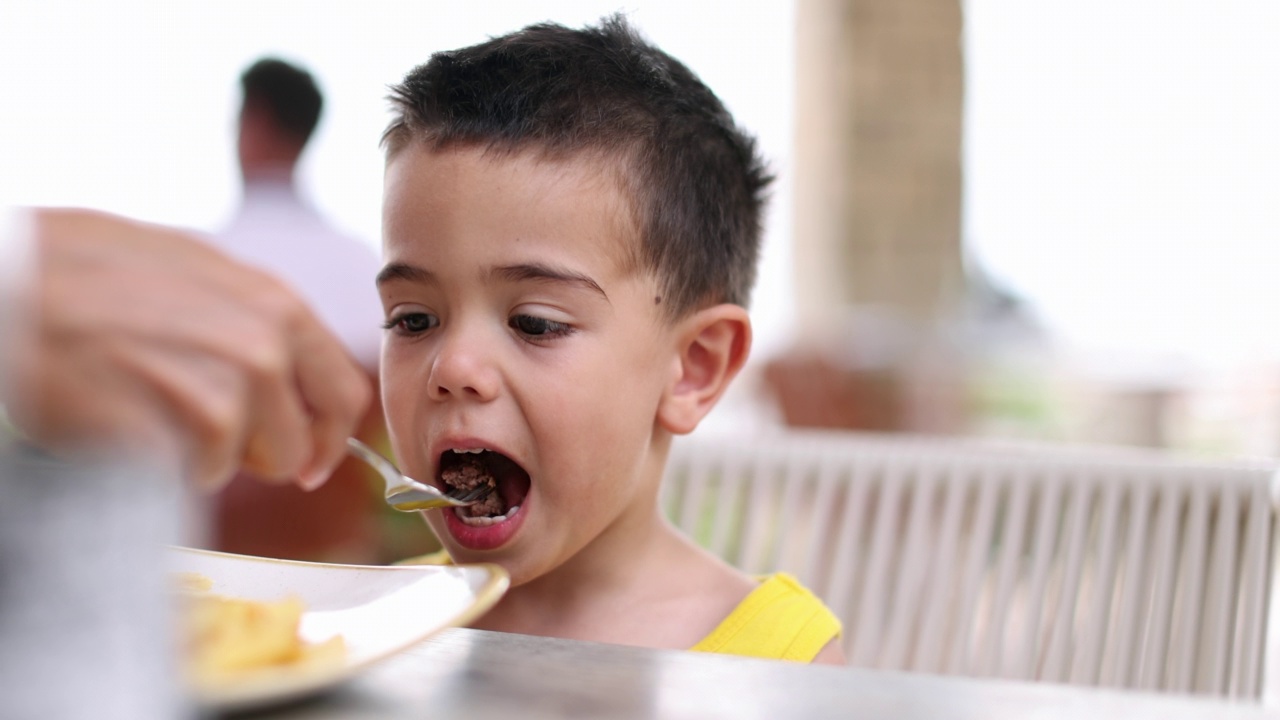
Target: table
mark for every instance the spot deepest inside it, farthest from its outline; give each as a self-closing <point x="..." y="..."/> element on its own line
<point x="478" y="675"/>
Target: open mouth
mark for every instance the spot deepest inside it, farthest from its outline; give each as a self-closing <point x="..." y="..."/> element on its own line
<point x="507" y="484"/>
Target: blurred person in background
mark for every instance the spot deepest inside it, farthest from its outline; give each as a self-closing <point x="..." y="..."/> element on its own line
<point x="278" y="231"/>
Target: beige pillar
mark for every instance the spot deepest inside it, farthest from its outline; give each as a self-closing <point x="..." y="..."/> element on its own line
<point x="880" y="93"/>
<point x="879" y="106"/>
<point x="824" y="97"/>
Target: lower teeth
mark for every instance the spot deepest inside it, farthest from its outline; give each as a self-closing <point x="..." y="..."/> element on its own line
<point x="486" y="520"/>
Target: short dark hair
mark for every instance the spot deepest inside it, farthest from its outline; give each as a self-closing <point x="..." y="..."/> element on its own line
<point x="696" y="183"/>
<point x="287" y="92"/>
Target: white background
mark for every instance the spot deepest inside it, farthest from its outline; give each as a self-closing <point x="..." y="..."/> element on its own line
<point x="130" y="106"/>
<point x="1122" y="171"/>
<point x="1122" y="166"/>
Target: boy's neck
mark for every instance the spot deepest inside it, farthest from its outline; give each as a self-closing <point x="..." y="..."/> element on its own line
<point x="648" y="586"/>
<point x="613" y="563"/>
<point x="618" y="557"/>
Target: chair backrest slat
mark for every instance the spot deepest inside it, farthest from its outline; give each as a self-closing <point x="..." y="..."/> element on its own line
<point x="930" y="643"/>
<point x="757" y="530"/>
<point x="960" y="658"/>
<point x="884" y="543"/>
<point x="996" y="618"/>
<point x="1049" y="512"/>
<point x="1184" y="638"/>
<point x="848" y="558"/>
<point x="1159" y="600"/>
<point x="1220" y="594"/>
<point x="1253" y="583"/>
<point x="739" y="470"/>
<point x="1119" y="672"/>
<point x="913" y="568"/>
<point x="1087" y="668"/>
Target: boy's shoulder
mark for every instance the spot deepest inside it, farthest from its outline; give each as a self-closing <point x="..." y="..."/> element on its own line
<point x="774" y="616"/>
<point x="779" y="619"/>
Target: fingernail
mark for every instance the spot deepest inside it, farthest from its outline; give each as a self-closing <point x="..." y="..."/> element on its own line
<point x="313" y="479"/>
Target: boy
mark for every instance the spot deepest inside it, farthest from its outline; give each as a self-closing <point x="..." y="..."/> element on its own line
<point x="571" y="222"/>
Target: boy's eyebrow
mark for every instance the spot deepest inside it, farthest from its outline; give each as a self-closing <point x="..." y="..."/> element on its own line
<point x="541" y="272"/>
<point x="401" y="271"/>
<point x="510" y="273"/>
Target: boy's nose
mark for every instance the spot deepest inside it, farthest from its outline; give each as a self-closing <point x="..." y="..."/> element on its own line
<point x="461" y="369"/>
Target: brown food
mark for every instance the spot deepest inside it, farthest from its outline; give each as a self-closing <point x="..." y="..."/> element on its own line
<point x="491" y="504"/>
<point x="470" y="474"/>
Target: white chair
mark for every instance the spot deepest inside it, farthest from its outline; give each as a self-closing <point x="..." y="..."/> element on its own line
<point x="1115" y="568"/>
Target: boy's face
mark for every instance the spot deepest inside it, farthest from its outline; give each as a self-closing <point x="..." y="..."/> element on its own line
<point x="518" y="330"/>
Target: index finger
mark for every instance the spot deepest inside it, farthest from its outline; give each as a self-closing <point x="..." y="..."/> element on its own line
<point x="336" y="392"/>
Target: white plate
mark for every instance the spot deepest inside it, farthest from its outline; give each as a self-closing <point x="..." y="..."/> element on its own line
<point x="378" y="611"/>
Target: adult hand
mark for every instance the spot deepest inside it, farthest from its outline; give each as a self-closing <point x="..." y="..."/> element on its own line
<point x="141" y="337"/>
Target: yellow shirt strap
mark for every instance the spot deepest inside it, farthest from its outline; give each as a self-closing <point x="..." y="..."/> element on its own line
<point x="780" y="619"/>
<point x="439" y="557"/>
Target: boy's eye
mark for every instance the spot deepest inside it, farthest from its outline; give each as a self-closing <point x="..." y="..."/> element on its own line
<point x="412" y="323"/>
<point x="537" y="326"/>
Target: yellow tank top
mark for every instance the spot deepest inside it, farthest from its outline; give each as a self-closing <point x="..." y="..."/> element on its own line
<point x="780" y="620"/>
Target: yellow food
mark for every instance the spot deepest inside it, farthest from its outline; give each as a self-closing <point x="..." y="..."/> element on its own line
<point x="189" y="582"/>
<point x="230" y="639"/>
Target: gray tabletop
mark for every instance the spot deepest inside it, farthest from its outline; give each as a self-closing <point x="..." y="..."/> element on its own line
<point x="477" y="675"/>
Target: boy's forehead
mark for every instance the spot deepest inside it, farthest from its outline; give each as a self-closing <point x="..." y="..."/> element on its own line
<point x="597" y="181"/>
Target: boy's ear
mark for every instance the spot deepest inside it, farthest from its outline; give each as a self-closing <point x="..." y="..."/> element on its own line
<point x="713" y="345"/>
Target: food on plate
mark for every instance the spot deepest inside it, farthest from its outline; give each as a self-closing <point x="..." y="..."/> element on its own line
<point x="189" y="582"/>
<point x="229" y="640"/>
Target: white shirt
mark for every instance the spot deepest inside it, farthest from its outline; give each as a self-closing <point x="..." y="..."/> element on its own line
<point x="276" y="231"/>
<point x="15" y="265"/>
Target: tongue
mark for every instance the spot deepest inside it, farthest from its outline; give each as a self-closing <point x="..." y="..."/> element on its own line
<point x="512" y="480"/>
<point x="513" y="488"/>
